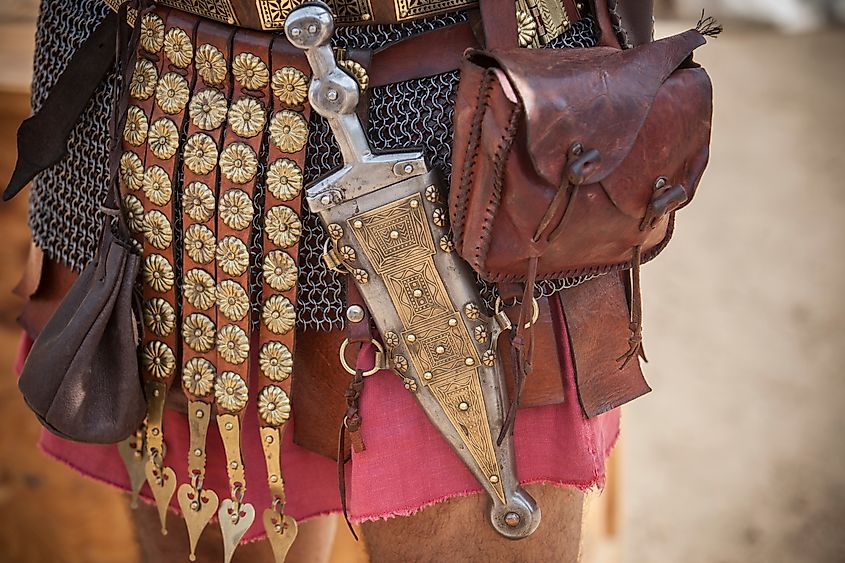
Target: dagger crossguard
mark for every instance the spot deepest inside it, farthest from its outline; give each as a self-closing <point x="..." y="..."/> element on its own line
<point x="387" y="220"/>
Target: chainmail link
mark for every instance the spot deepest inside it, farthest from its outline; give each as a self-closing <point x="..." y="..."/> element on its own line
<point x="65" y="199"/>
<point x="64" y="213"/>
<point x="412" y="114"/>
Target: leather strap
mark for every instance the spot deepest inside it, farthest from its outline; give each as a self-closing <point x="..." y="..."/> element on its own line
<point x="150" y="206"/>
<point x="199" y="355"/>
<point x="608" y="36"/>
<point x="287" y="102"/>
<point x="426" y="54"/>
<point x="499" y="20"/>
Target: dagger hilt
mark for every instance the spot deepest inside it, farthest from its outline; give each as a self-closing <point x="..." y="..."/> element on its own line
<point x="333" y="93"/>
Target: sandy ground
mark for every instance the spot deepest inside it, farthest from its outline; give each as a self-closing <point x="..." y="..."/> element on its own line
<point x="737" y="455"/>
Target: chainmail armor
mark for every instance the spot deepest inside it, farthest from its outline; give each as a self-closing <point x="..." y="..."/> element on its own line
<point x="65" y="199"/>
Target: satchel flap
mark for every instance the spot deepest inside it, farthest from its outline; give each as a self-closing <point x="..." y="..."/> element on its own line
<point x="599" y="97"/>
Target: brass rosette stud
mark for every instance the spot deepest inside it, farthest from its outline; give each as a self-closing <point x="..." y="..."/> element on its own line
<point x="232" y="256"/>
<point x="278" y="314"/>
<point x="250" y="71"/>
<point x="158" y="360"/>
<point x="131" y="171"/>
<point x="157" y="186"/>
<point x="159" y="317"/>
<point x="144" y="80"/>
<point x="158" y="273"/>
<point x="198" y="288"/>
<point x="137" y="125"/>
<point x="208" y="109"/>
<point x="232" y="300"/>
<point x="198" y="376"/>
<point x="275" y="361"/>
<point x="273" y="405"/>
<point x="200" y="243"/>
<point x="152" y="33"/>
<point x="198" y="332"/>
<point x="178" y="47"/>
<point x="230" y="391"/>
<point x="198" y="202"/>
<point x="172" y="93"/>
<point x="210" y="64"/>
<point x="280" y="270"/>
<point x="163" y="138"/>
<point x="236" y="209"/>
<point x="233" y="344"/>
<point x="239" y="163"/>
<point x="290" y="86"/>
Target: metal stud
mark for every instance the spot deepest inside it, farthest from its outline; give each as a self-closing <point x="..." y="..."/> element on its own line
<point x="355" y="313"/>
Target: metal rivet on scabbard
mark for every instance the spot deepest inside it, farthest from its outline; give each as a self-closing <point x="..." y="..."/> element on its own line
<point x="229" y="426"/>
<point x="463" y="405"/>
<point x="494" y="479"/>
<point x="440" y="349"/>
<point x="414" y="204"/>
<point x="512" y="519"/>
<point x="295" y="31"/>
<point x="428" y="376"/>
<point x="200" y="414"/>
<point x="453" y="322"/>
<point x="469" y="362"/>
<point x="355" y="313"/>
<point x="411" y="338"/>
<point x="332" y="95"/>
<point x="326" y="199"/>
<point x="394" y="235"/>
<point x="357" y="224"/>
<point x="418" y="293"/>
<point x="197" y="452"/>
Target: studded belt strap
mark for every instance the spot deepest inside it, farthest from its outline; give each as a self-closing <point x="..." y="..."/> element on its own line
<point x="200" y="178"/>
<point x="238" y="165"/>
<point x="148" y="165"/>
<point x="282" y="228"/>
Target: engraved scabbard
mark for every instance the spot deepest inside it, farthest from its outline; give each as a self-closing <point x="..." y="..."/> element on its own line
<point x="387" y="219"/>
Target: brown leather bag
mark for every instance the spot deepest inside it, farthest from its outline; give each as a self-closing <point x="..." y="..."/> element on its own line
<point x="572" y="162"/>
<point x="81" y="377"/>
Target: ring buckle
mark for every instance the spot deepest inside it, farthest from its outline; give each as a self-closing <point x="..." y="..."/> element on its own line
<point x="377" y="366"/>
<point x="535" y="314"/>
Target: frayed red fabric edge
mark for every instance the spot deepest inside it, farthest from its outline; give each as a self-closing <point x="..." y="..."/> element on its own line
<point x="597" y="483"/>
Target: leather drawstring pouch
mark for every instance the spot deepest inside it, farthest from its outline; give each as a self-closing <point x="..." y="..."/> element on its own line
<point x="81" y="377"/>
<point x="570" y="162"/>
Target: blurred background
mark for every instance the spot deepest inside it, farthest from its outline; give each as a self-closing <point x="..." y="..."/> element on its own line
<point x="737" y="456"/>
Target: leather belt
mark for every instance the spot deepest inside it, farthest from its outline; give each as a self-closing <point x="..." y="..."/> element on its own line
<point x="440" y="50"/>
<point x="271" y="14"/>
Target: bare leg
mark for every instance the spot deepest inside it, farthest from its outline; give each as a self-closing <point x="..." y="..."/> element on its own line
<point x="458" y="530"/>
<point x="313" y="542"/>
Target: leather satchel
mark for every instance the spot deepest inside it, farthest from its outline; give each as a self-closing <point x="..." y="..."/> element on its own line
<point x="573" y="162"/>
<point x="81" y="377"/>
